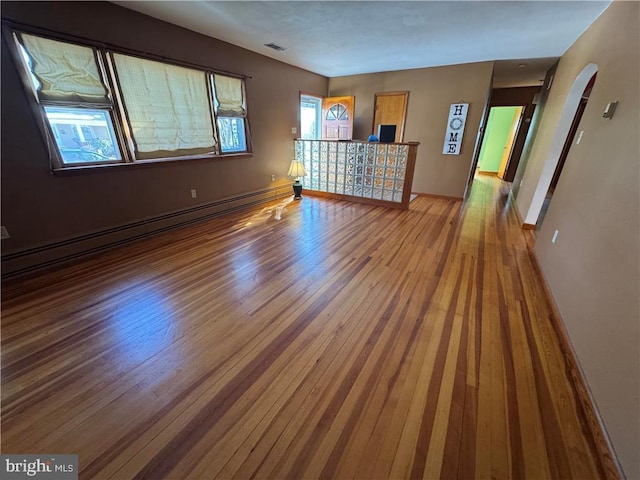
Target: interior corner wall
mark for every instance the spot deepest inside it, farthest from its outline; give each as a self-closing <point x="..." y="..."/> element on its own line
<point x="532" y="133"/>
<point x="593" y="269"/>
<point x="39" y="208"/>
<point x="431" y="93"/>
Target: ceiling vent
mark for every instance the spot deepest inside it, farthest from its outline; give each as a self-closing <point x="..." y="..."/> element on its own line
<point x="277" y="48"/>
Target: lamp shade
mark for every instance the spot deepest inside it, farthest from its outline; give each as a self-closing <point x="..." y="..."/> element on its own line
<point x="296" y="169"/>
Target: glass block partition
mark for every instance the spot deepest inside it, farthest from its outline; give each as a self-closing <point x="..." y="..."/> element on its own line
<point x="370" y="172"/>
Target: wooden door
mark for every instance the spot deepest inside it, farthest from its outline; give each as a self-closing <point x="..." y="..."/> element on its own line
<point x="391" y="109"/>
<point x="337" y="118"/>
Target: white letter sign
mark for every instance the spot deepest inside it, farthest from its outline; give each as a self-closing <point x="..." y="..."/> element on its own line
<point x="455" y="128"/>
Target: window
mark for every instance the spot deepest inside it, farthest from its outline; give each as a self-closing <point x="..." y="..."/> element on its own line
<point x="102" y="107"/>
<point x="67" y="83"/>
<point x="167" y="108"/>
<point x="231" y="113"/>
<point x="338" y="112"/>
<point x="83" y="135"/>
<point x="232" y="136"/>
<point x="310" y="117"/>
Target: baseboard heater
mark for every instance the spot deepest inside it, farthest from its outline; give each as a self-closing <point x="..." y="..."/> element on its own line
<point x="37" y="258"/>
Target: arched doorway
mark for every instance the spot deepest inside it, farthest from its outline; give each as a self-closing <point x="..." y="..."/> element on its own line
<point x="563" y="129"/>
<point x="565" y="149"/>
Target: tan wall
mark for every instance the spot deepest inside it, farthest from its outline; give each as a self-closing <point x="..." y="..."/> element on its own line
<point x="594" y="267"/>
<point x="533" y="130"/>
<point x="39" y="208"/>
<point x="431" y="93"/>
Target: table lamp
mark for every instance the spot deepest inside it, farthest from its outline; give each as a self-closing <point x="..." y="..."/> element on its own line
<point x="297" y="170"/>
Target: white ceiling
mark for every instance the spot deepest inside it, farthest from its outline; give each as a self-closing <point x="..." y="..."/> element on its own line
<point x="335" y="38"/>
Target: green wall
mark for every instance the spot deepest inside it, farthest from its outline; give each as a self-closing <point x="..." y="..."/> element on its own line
<point x="498" y="127"/>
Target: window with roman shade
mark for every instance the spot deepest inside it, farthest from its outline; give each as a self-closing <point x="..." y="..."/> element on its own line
<point x="167" y="108"/>
<point x="229" y="96"/>
<point x="66" y="73"/>
<point x="106" y="105"/>
<point x="230" y="113"/>
<point x="75" y="101"/>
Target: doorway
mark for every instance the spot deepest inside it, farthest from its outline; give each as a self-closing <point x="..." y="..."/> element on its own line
<point x="498" y="141"/>
<point x="525" y="97"/>
<point x="326" y="118"/>
<point x="533" y="190"/>
<point x="390" y="108"/>
<point x="565" y="150"/>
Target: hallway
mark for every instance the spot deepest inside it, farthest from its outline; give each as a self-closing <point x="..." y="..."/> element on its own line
<point x="343" y="341"/>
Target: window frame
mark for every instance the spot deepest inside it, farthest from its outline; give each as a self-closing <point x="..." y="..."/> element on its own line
<point x="306" y="97"/>
<point x="55" y="148"/>
<point x="55" y="155"/>
<point x="103" y="55"/>
<point x="126" y="122"/>
<point x="244" y="134"/>
<point x="216" y="117"/>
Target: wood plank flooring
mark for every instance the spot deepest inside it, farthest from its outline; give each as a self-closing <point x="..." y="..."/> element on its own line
<point x="343" y="341"/>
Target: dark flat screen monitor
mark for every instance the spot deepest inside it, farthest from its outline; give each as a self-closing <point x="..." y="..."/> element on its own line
<point x="387" y="133"/>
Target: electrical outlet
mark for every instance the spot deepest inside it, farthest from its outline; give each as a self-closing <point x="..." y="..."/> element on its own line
<point x="294" y="130"/>
<point x="273" y="178"/>
<point x="194" y="194"/>
<point x="3" y="232"/>
<point x="555" y="237"/>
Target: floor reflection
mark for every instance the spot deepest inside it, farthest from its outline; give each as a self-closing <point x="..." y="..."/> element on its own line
<point x="143" y="324"/>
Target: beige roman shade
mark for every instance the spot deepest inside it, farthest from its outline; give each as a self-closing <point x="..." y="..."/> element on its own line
<point x="229" y="96"/>
<point x="167" y="107"/>
<point x="68" y="74"/>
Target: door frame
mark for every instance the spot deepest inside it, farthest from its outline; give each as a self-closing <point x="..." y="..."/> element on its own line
<point x="404" y="111"/>
<point x="506" y="97"/>
<point x="512" y="139"/>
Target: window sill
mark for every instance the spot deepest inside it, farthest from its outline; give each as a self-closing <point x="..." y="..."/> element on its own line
<point x="145" y="163"/>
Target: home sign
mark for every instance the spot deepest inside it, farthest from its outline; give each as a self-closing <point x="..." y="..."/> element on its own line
<point x="455" y="128"/>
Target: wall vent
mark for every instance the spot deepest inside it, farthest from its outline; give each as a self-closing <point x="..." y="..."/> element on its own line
<point x="275" y="47"/>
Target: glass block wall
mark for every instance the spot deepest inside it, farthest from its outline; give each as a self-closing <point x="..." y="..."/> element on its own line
<point x="360" y="169"/>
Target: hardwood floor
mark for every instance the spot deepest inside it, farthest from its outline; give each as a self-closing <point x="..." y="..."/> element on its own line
<point x="343" y="341"/>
